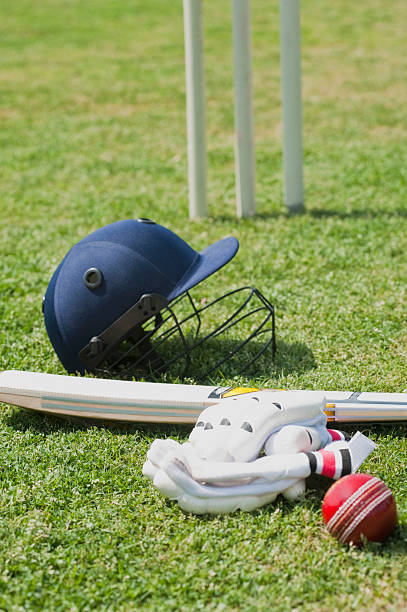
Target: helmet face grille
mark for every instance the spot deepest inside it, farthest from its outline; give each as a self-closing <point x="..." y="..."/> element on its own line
<point x="183" y="341"/>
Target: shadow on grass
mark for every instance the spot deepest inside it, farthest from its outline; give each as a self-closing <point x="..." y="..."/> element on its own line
<point x="23" y="419"/>
<point x="311" y="502"/>
<point x="317" y="486"/>
<point x="358" y="213"/>
<point x="293" y="357"/>
<point x="318" y="213"/>
<point x="290" y="357"/>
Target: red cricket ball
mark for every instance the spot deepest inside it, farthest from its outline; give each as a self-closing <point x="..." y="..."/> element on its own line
<point x="359" y="505"/>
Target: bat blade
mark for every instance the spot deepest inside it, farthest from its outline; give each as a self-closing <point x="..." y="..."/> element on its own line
<point x="115" y="400"/>
<point x="103" y="399"/>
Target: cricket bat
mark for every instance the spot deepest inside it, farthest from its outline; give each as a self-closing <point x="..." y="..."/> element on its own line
<point x="147" y="402"/>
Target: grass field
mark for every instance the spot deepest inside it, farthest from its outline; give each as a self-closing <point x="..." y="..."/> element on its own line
<point x="92" y="114"/>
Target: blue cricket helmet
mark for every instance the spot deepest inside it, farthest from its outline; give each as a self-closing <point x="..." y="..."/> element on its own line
<point x="114" y="290"/>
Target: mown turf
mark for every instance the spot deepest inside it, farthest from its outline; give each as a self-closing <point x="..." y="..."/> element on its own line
<point x="92" y="115"/>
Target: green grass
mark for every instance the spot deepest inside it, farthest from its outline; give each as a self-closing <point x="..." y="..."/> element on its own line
<point x="92" y="114"/>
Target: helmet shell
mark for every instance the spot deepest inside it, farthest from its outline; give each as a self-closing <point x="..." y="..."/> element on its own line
<point x="107" y="272"/>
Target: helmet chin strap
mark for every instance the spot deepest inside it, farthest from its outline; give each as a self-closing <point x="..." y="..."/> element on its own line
<point x="141" y="340"/>
<point x="99" y="347"/>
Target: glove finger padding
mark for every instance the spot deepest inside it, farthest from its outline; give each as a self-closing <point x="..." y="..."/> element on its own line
<point x="237" y="428"/>
<point x="157" y="454"/>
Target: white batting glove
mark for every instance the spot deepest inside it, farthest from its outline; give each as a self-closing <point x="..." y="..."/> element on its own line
<point x="200" y="486"/>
